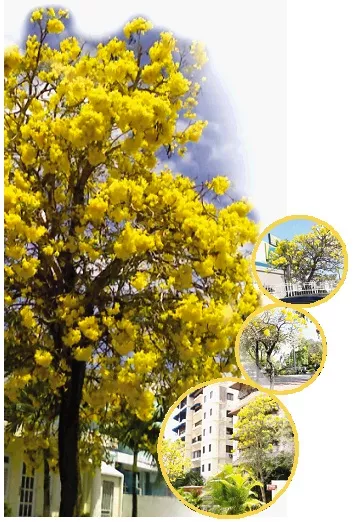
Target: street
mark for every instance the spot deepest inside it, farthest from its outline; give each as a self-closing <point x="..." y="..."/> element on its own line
<point x="281" y="381"/>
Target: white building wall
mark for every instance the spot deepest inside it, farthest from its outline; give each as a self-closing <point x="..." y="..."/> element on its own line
<point x="214" y="428"/>
<point x="152" y="506"/>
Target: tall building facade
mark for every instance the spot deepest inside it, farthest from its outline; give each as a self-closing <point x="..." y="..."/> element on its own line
<point x="206" y="427"/>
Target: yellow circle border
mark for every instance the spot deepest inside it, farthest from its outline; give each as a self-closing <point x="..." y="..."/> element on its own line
<point x="285" y="220"/>
<point x="208" y="513"/>
<point x="290" y="391"/>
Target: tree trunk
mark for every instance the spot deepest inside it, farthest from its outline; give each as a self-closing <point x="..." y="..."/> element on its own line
<point x="271" y="371"/>
<point x="69" y="431"/>
<point x="46" y="486"/>
<point x="263" y="494"/>
<point x="79" y="500"/>
<point x="257" y="356"/>
<point x="257" y="362"/>
<point x="135" y="484"/>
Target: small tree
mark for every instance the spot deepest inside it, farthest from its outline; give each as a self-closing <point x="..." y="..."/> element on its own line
<point x="315" y="256"/>
<point x="175" y="463"/>
<point x="267" y="332"/>
<point x="259" y="429"/>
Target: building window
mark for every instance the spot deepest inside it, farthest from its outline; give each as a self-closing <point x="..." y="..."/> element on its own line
<point x="26" y="492"/>
<point x="203" y="468"/>
<point x="209" y="467"/>
<point x="204" y="432"/>
<point x="211" y="393"/>
<point x="229" y="431"/>
<point x="210" y="412"/>
<point x="205" y="398"/>
<point x="210" y="429"/>
<point x="229" y="449"/>
<point x="198" y="423"/>
<point x="229" y="396"/>
<point x="228" y="412"/>
<point x="203" y="449"/>
<point x="210" y="447"/>
<point x="204" y="415"/>
<point x="107" y="498"/>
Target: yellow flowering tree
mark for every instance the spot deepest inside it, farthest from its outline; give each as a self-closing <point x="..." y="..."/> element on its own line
<point x="315" y="256"/>
<point x="266" y="333"/>
<point x="259" y="429"/>
<point x="123" y="281"/>
<point x="173" y="458"/>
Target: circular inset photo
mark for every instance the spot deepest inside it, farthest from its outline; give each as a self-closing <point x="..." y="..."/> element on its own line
<point x="281" y="349"/>
<point x="227" y="449"/>
<point x="300" y="260"/>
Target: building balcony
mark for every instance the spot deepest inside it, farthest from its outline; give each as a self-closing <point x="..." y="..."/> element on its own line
<point x="181" y="414"/>
<point x="180" y="428"/>
<point x="196" y="393"/>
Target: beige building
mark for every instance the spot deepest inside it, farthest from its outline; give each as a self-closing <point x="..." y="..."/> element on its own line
<point x="206" y="427"/>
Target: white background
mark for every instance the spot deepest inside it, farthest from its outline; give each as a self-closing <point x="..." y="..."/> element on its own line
<point x="320" y="172"/>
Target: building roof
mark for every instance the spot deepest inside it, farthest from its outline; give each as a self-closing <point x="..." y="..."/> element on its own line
<point x="242" y="386"/>
<point x="125" y="458"/>
<point x="244" y="402"/>
<point x="106" y="469"/>
<point x="197" y="392"/>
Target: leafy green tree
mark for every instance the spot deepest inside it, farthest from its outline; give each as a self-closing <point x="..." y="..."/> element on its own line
<point x="191" y="478"/>
<point x="192" y="497"/>
<point x="259" y="429"/>
<point x="315" y="256"/>
<point x="278" y="466"/>
<point x="231" y="492"/>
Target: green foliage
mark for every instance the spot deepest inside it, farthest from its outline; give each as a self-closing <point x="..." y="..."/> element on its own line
<point x="7" y="510"/>
<point x="194" y="498"/>
<point x="191" y="478"/>
<point x="278" y="467"/>
<point x="308" y="354"/>
<point x="231" y="492"/>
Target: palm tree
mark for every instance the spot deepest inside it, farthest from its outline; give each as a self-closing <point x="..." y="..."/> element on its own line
<point x="139" y="437"/>
<point x="231" y="492"/>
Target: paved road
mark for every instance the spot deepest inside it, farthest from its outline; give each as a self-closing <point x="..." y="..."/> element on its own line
<point x="281" y="381"/>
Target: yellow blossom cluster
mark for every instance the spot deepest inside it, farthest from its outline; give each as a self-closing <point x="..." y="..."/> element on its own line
<point x="112" y="265"/>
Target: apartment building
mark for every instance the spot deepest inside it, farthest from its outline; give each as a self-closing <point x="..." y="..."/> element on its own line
<point x="206" y="427"/>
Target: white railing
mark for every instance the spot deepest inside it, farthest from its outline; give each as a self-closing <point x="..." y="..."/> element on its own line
<point x="297" y="289"/>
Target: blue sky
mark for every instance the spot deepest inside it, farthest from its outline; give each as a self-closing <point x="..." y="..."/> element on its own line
<point x="292" y="228"/>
